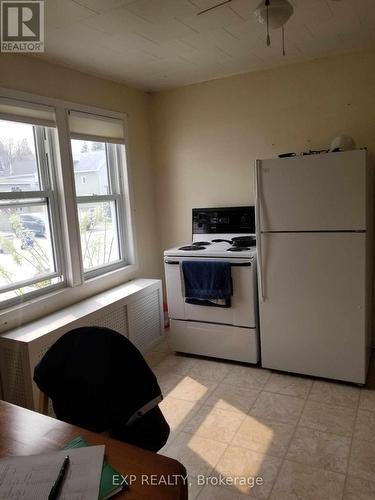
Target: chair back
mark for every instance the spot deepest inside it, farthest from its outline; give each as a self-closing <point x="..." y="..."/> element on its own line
<point x="96" y="378"/>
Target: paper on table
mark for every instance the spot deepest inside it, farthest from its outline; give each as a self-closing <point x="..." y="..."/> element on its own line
<point x="32" y="477"/>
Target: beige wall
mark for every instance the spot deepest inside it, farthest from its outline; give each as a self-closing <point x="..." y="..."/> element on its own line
<point x="206" y="136"/>
<point x="32" y="75"/>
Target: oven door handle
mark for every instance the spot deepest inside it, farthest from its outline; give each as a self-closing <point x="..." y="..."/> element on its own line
<point x="233" y="264"/>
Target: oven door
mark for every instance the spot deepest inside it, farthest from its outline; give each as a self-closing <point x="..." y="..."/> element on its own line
<point x="243" y="304"/>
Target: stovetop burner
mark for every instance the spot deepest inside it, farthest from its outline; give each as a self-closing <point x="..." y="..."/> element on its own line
<point x="201" y="243"/>
<point x="238" y="249"/>
<point x="192" y="247"/>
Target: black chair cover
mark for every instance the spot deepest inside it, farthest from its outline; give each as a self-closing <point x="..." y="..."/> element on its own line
<point x="96" y="378"/>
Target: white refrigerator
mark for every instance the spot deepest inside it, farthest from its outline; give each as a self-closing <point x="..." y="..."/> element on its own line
<point x="314" y="264"/>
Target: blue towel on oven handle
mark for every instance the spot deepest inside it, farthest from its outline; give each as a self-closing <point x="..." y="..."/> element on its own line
<point x="207" y="279"/>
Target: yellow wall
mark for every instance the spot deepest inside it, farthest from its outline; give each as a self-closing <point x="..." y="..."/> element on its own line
<point x="32" y="75"/>
<point x="206" y="136"/>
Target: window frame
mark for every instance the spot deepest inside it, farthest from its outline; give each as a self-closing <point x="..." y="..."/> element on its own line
<point x="46" y="196"/>
<point x="76" y="287"/>
<point x="114" y="169"/>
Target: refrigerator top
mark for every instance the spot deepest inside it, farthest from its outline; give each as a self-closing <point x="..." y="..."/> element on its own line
<point x="358" y="153"/>
<point x="326" y="192"/>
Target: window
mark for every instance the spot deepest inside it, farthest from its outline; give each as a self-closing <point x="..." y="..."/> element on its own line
<point x="53" y="234"/>
<point x="29" y="261"/>
<point x="98" y="154"/>
<point x="99" y="203"/>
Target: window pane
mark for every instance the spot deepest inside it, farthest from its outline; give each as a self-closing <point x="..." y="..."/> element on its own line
<point x="18" y="161"/>
<point x="25" y="246"/>
<point x="99" y="234"/>
<point x="21" y="292"/>
<point x="90" y="167"/>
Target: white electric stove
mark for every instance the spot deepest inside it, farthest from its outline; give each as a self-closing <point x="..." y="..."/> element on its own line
<point x="228" y="333"/>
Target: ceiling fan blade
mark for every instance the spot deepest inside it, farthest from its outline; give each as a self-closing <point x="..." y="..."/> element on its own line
<point x="214" y="7"/>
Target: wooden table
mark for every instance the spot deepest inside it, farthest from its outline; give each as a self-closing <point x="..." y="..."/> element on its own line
<point x="25" y="432"/>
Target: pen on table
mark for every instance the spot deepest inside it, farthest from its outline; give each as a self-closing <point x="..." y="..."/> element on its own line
<point x="54" y="493"/>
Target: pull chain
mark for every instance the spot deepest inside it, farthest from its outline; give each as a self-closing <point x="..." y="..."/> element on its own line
<point x="268" y="25"/>
<point x="283" y="38"/>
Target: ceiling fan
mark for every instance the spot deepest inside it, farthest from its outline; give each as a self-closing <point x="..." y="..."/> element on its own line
<point x="273" y="13"/>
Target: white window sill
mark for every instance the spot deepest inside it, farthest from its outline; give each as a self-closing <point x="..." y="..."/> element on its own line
<point x="33" y="309"/>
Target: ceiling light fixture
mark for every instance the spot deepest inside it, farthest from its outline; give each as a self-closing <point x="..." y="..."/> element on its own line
<point x="274" y="14"/>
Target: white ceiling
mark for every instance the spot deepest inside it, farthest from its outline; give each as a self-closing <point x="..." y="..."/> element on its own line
<point x="157" y="44"/>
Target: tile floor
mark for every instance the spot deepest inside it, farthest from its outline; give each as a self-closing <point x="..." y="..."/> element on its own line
<point x="302" y="438"/>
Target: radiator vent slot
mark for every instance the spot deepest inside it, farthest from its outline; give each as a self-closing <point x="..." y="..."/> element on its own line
<point x="145" y="321"/>
<point x="133" y="309"/>
<point x="13" y="380"/>
<point x="115" y="319"/>
<point x="41" y="352"/>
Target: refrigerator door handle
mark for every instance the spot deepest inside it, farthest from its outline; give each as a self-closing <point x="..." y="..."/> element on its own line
<point x="257" y="228"/>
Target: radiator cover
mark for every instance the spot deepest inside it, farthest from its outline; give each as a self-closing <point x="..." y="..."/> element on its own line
<point x="134" y="309"/>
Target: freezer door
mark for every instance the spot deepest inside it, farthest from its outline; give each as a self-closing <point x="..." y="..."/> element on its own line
<point x="312" y="317"/>
<point x="313" y="193"/>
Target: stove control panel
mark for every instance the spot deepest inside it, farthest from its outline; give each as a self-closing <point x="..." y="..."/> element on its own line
<point x="224" y="220"/>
